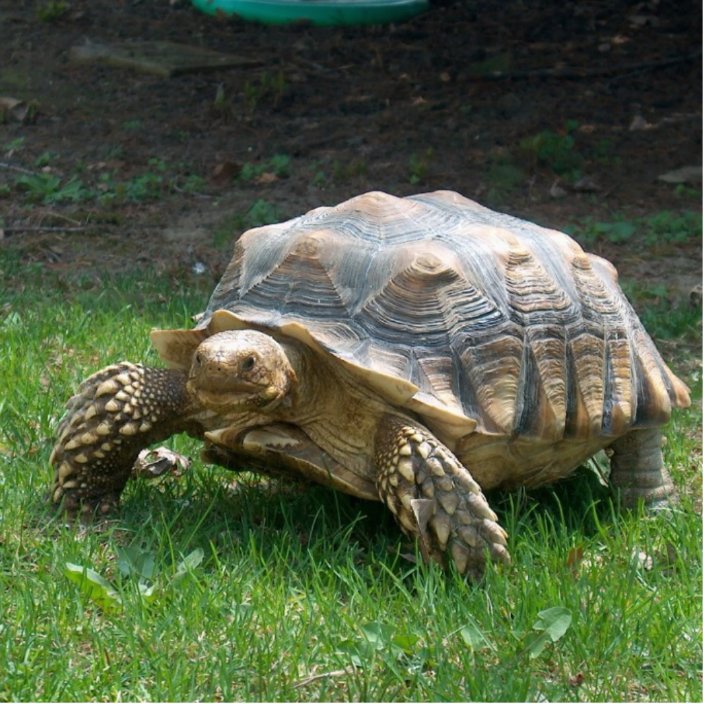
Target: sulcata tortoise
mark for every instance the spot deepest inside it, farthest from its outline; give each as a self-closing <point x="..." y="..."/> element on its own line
<point x="411" y="350"/>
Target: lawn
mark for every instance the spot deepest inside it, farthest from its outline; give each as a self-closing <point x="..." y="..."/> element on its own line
<point x="219" y="586"/>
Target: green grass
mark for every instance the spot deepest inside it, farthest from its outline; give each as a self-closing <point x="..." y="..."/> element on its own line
<point x="555" y="150"/>
<point x="290" y="594"/>
<point x="104" y="187"/>
<point x="659" y="229"/>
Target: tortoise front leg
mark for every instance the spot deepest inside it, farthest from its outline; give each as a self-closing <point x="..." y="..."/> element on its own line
<point x="115" y="414"/>
<point x="434" y="497"/>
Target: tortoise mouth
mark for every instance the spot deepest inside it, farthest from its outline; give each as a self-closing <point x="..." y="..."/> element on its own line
<point x="232" y="396"/>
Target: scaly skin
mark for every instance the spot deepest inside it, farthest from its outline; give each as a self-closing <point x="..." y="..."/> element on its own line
<point x="114" y="415"/>
<point x="638" y="471"/>
<point x="434" y="498"/>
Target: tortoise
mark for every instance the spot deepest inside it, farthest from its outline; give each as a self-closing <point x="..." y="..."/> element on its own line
<point x="417" y="351"/>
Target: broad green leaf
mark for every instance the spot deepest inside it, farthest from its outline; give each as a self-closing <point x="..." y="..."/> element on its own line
<point x="95" y="587"/>
<point x="535" y="643"/>
<point x="147" y="591"/>
<point x="189" y="563"/>
<point x="551" y="625"/>
<point x="133" y="560"/>
<point x="405" y="641"/>
<point x="554" y="622"/>
<point x="378" y="634"/>
<point x="473" y="637"/>
<point x="351" y="648"/>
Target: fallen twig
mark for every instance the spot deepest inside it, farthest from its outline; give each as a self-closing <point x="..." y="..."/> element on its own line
<point x="314" y="678"/>
<point x="570" y="72"/>
<point x="43" y="228"/>
<point x="21" y="169"/>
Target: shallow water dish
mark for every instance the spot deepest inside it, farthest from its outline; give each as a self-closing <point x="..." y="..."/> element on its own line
<point x="320" y="12"/>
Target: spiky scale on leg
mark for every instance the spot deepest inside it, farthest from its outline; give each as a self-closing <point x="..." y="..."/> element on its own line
<point x="115" y="414"/>
<point x="435" y="498"/>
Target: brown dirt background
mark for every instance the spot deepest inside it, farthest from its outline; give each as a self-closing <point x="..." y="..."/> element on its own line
<point x="403" y="108"/>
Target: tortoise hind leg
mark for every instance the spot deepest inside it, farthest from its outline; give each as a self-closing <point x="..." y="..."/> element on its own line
<point x="637" y="469"/>
<point x="115" y="414"/>
<point x="434" y="498"/>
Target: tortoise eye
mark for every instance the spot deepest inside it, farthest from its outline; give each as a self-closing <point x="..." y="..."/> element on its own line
<point x="247" y="363"/>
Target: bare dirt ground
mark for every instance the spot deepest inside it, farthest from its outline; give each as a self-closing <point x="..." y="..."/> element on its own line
<point x="166" y="171"/>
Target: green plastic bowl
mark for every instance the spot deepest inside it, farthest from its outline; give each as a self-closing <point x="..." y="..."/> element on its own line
<point x="320" y="12"/>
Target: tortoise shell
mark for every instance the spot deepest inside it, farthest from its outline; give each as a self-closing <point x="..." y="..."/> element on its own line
<point x="478" y="322"/>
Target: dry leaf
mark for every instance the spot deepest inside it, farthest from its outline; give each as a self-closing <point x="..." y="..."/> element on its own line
<point x="687" y="174"/>
<point x="13" y="110"/>
<point x="266" y="178"/>
<point x="225" y="171"/>
<point x="574" y="559"/>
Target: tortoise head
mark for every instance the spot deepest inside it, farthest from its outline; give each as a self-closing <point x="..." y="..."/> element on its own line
<point x="240" y="369"/>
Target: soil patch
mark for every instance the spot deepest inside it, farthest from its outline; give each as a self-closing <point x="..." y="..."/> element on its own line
<point x="563" y="113"/>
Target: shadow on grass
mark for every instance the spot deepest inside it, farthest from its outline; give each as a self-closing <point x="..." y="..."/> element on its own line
<point x="242" y="517"/>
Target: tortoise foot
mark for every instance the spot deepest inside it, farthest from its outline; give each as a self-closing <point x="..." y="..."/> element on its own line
<point x="638" y="472"/>
<point x="435" y="499"/>
<point x="115" y="413"/>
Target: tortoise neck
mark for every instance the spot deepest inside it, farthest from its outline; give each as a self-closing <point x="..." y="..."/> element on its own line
<point x="308" y="386"/>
